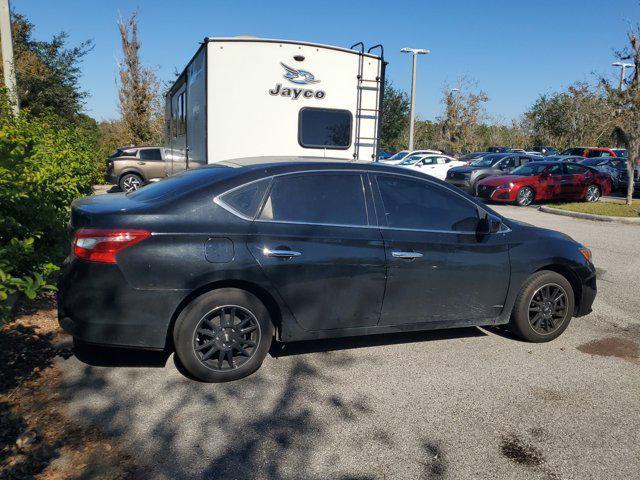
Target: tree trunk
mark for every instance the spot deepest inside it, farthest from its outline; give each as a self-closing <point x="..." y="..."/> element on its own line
<point x="633" y="152"/>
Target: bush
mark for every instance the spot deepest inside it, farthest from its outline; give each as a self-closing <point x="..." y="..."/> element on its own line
<point x="43" y="166"/>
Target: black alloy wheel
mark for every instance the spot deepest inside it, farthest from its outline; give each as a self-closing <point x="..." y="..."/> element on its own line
<point x="548" y="308"/>
<point x="222" y="335"/>
<point x="226" y="337"/>
<point x="543" y="308"/>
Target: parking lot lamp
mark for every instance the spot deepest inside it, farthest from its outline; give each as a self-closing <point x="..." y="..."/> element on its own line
<point x="623" y="66"/>
<point x="415" y="52"/>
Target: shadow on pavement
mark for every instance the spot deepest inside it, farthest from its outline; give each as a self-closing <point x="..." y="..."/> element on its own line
<point x="314" y="346"/>
<point x="98" y="356"/>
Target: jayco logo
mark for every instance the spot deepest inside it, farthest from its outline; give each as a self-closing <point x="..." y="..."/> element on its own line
<point x="299" y="77"/>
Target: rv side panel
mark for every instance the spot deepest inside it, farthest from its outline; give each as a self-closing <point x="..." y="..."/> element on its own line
<point x="196" y="110"/>
<point x="257" y="106"/>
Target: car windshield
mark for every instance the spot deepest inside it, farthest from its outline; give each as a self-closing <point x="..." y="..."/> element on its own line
<point x="411" y="159"/>
<point x="399" y="156"/>
<point x="620" y="152"/>
<point x="487" y="161"/>
<point x="529" y="169"/>
<point x="592" y="162"/>
<point x="471" y="156"/>
<point x="573" y="151"/>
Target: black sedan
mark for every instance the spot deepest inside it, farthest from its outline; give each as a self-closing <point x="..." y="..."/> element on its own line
<point x="467" y="178"/>
<point x="215" y="263"/>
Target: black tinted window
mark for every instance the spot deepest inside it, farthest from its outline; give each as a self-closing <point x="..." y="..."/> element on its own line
<point x="179" y="184"/>
<point x="573" y="169"/>
<point x="331" y="198"/>
<point x="246" y="199"/>
<point x="150" y="154"/>
<point x="415" y="204"/>
<point x="324" y="128"/>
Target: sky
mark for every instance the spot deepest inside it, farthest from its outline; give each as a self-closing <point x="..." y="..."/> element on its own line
<point x="514" y="50"/>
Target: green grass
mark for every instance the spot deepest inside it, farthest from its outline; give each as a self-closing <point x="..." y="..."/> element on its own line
<point x="602" y="208"/>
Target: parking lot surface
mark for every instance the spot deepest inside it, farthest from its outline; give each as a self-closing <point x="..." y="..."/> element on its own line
<point x="464" y="403"/>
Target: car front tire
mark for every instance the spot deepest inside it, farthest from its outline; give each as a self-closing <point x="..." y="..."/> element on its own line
<point x="223" y="335"/>
<point x="130" y="182"/>
<point x="544" y="307"/>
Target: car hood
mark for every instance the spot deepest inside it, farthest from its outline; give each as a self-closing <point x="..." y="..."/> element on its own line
<point x="466" y="169"/>
<point x="502" y="179"/>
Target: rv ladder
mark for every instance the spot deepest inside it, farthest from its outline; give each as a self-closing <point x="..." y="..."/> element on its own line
<point x="372" y="113"/>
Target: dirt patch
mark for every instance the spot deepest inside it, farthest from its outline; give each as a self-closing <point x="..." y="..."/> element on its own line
<point x="547" y="394"/>
<point x="434" y="462"/>
<point x="37" y="440"/>
<point x="612" y="347"/>
<point x="526" y="454"/>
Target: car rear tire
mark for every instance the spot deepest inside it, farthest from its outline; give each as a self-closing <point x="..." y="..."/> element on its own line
<point x="130" y="182"/>
<point x="525" y="197"/>
<point x="543" y="308"/>
<point x="592" y="194"/>
<point x="223" y="335"/>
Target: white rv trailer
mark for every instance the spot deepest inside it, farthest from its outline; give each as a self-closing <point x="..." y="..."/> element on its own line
<point x="241" y="97"/>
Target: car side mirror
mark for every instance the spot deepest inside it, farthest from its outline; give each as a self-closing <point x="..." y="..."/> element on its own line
<point x="489" y="224"/>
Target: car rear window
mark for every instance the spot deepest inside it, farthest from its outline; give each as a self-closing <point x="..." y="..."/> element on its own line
<point x="180" y="183"/>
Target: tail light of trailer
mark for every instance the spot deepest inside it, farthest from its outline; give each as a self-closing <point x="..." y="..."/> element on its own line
<point x="98" y="245"/>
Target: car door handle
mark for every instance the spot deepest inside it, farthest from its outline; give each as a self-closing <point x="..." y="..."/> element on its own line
<point x="267" y="252"/>
<point x="141" y="163"/>
<point x="406" y="255"/>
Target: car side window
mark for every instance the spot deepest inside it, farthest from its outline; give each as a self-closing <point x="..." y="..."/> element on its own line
<point x="321" y="198"/>
<point x="150" y="154"/>
<point x="415" y="204"/>
<point x="556" y="169"/>
<point x="573" y="169"/>
<point x="508" y="162"/>
<point x="246" y="199"/>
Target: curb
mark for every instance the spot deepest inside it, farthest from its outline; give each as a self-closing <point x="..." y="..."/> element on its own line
<point x="589" y="216"/>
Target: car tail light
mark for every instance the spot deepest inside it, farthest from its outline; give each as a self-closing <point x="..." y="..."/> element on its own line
<point x="96" y="245"/>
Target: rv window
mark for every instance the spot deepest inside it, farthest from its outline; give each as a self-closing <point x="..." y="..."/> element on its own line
<point x="324" y="128"/>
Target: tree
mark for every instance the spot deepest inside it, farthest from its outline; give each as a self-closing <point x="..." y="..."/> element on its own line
<point x="577" y="116"/>
<point x="624" y="106"/>
<point x="395" y="118"/>
<point x="137" y="90"/>
<point x="464" y="108"/>
<point x="48" y="73"/>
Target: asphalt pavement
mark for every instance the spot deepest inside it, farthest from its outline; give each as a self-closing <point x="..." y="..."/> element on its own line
<point x="464" y="403"/>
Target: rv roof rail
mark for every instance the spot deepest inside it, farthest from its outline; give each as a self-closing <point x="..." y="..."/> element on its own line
<point x="378" y="46"/>
<point x="360" y="44"/>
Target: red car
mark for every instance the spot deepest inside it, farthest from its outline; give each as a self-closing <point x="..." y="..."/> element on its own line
<point x="546" y="181"/>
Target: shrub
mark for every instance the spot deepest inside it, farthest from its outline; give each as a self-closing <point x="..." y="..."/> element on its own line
<point x="44" y="165"/>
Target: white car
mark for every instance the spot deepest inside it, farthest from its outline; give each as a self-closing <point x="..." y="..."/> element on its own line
<point x="401" y="155"/>
<point x="434" y="165"/>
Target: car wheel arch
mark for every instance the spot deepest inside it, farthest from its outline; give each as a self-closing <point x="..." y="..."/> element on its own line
<point x="263" y="295"/>
<point x="134" y="171"/>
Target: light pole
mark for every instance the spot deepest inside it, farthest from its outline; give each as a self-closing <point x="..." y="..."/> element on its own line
<point x="623" y="66"/>
<point x="415" y="52"/>
<point x="8" y="66"/>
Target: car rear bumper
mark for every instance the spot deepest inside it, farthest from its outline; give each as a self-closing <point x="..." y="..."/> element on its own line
<point x="110" y="177"/>
<point x="97" y="305"/>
